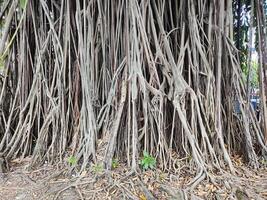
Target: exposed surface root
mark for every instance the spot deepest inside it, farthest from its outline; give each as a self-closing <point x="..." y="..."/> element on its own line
<point x="48" y="183"/>
<point x="156" y="76"/>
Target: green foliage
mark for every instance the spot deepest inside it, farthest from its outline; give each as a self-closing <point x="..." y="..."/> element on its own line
<point x="148" y="161"/>
<point x="97" y="168"/>
<point x="263" y="161"/>
<point x="115" y="163"/>
<point x="23" y="4"/>
<point x="241" y="27"/>
<point x="254" y="77"/>
<point x="72" y="160"/>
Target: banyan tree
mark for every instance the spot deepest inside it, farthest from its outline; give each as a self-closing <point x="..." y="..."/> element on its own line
<point x="157" y="76"/>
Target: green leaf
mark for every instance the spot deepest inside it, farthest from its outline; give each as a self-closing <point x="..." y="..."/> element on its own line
<point x="72" y="160"/>
<point x="146" y="166"/>
<point x="147" y="161"/>
<point x="145" y="154"/>
<point x="115" y="163"/>
<point x="97" y="168"/>
<point x="23" y="4"/>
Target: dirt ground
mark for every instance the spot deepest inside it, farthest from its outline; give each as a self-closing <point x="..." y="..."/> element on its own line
<point x="49" y="182"/>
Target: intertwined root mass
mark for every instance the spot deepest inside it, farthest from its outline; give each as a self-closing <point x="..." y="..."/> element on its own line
<point x="160" y="76"/>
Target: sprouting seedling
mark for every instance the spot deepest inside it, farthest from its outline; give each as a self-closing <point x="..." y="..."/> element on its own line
<point x="97" y="168"/>
<point x="72" y="160"/>
<point x="148" y="161"/>
<point x="115" y="163"/>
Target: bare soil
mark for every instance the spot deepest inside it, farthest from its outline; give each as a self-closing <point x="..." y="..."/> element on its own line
<point x="50" y="182"/>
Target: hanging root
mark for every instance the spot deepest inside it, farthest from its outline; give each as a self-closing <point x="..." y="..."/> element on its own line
<point x="154" y="76"/>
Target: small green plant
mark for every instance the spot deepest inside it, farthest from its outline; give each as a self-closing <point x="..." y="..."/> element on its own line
<point x="97" y="168"/>
<point x="263" y="161"/>
<point x="23" y="3"/>
<point x="72" y="160"/>
<point x="115" y="163"/>
<point x="148" y="161"/>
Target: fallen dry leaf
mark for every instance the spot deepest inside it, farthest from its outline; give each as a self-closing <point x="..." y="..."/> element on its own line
<point x="142" y="197"/>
